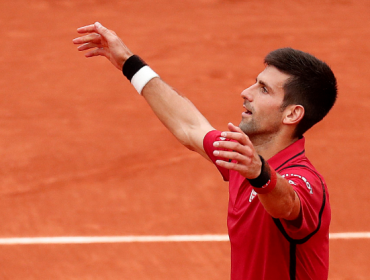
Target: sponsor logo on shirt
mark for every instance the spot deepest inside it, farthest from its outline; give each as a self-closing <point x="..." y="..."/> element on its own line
<point x="253" y="195"/>
<point x="308" y="185"/>
<point x="292" y="182"/>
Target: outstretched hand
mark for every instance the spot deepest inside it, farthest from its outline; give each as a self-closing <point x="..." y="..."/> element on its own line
<point x="240" y="154"/>
<point x="102" y="42"/>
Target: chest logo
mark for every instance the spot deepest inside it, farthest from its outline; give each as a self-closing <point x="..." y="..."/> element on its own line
<point x="252" y="196"/>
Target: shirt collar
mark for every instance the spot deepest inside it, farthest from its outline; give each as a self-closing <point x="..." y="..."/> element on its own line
<point x="284" y="156"/>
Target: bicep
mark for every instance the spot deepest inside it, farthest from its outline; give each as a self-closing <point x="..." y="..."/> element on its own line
<point x="178" y="114"/>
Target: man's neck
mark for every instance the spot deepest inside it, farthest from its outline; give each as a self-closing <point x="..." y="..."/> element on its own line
<point x="268" y="146"/>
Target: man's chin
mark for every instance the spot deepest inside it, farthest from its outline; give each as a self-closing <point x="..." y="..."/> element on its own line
<point x="246" y="128"/>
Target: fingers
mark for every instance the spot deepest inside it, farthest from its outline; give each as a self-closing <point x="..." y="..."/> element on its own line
<point x="96" y="31"/>
<point x="96" y="27"/>
<point x="91" y="38"/>
<point x="247" y="164"/>
<point x="87" y="46"/>
<point x="242" y="143"/>
<point x="86" y="29"/>
<point x="233" y="157"/>
<point x="97" y="52"/>
<point x="239" y="154"/>
<point x="242" y="169"/>
<point x="236" y="134"/>
<point x="233" y="128"/>
<point x="234" y="150"/>
<point x="105" y="32"/>
<point x="232" y="146"/>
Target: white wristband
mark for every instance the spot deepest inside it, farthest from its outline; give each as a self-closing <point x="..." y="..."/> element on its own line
<point x="142" y="77"/>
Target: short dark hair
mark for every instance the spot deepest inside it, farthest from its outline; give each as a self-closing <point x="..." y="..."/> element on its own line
<point x="312" y="84"/>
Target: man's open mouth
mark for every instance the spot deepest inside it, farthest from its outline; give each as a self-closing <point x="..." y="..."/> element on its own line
<point x="247" y="111"/>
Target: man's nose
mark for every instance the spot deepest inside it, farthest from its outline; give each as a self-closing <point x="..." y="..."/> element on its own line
<point x="248" y="94"/>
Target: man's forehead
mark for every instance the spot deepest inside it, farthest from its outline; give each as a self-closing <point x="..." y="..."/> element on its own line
<point x="273" y="77"/>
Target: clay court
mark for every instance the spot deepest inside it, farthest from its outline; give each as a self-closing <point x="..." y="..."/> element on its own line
<point x="83" y="156"/>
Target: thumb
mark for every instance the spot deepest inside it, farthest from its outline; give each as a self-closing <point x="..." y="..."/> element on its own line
<point x="234" y="128"/>
<point x="245" y="139"/>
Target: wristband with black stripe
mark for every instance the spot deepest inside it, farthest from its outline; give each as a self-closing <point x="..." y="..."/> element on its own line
<point x="138" y="72"/>
<point x="133" y="64"/>
<point x="267" y="179"/>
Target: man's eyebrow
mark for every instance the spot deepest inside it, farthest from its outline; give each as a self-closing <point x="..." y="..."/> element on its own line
<point x="263" y="84"/>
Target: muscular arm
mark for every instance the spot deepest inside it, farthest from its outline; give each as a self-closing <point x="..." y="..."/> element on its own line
<point x="282" y="202"/>
<point x="176" y="112"/>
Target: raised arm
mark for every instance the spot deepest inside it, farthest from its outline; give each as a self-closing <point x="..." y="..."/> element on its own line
<point x="176" y="112"/>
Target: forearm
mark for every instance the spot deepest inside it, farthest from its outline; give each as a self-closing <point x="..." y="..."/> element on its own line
<point x="282" y="201"/>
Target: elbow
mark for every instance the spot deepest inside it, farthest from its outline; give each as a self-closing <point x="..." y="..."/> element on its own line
<point x="281" y="213"/>
<point x="184" y="139"/>
<point x="190" y="148"/>
<point x="288" y="209"/>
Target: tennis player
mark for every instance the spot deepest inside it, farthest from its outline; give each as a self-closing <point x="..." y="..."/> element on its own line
<point x="279" y="212"/>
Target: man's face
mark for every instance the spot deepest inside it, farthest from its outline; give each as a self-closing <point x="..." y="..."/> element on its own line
<point x="263" y="115"/>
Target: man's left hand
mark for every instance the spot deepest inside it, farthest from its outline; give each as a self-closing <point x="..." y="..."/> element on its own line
<point x="240" y="154"/>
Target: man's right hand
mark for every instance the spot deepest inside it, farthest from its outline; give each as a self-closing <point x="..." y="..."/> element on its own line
<point x="102" y="42"/>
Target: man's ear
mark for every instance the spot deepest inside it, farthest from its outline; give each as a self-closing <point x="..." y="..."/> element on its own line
<point x="293" y="114"/>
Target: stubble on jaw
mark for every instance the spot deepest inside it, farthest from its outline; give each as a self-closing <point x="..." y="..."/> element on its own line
<point x="256" y="134"/>
<point x="249" y="128"/>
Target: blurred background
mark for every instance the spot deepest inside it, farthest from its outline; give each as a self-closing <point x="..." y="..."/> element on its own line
<point x="83" y="155"/>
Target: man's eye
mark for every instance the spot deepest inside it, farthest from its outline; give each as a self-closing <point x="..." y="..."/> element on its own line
<point x="264" y="90"/>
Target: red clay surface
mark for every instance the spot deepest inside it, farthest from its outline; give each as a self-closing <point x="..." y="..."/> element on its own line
<point x="82" y="154"/>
